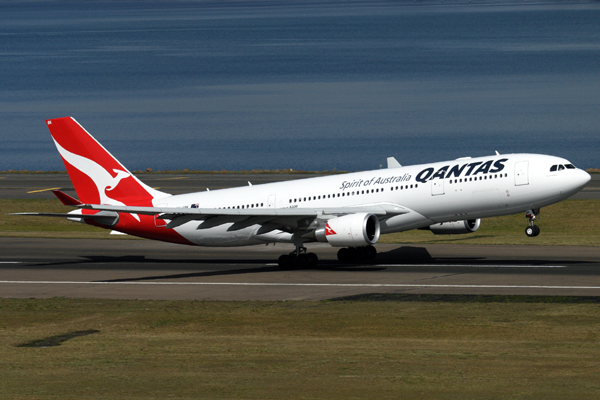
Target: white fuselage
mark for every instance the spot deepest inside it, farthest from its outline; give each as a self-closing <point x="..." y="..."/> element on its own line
<point x="461" y="189"/>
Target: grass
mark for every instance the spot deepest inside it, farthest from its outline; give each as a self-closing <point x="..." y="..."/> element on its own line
<point x="571" y="222"/>
<point x="299" y="350"/>
<point x="568" y="223"/>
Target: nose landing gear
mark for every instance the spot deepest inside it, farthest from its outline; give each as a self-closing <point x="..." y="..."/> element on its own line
<point x="532" y="230"/>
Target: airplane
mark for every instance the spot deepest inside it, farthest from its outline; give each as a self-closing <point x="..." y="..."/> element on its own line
<point x="349" y="211"/>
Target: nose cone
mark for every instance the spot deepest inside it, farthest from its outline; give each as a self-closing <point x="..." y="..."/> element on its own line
<point x="583" y="178"/>
<point x="577" y="180"/>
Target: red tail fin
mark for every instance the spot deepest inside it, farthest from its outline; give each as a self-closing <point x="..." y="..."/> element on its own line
<point x="97" y="176"/>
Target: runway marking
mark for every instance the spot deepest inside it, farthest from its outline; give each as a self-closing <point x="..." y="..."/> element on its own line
<point x="43" y="190"/>
<point x="11" y="262"/>
<point x="455" y="265"/>
<point x="471" y="265"/>
<point x="393" y="285"/>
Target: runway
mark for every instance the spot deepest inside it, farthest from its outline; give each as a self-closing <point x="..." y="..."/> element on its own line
<point x="128" y="269"/>
<point x="115" y="269"/>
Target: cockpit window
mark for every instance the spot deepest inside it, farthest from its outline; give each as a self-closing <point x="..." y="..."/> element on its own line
<point x="560" y="167"/>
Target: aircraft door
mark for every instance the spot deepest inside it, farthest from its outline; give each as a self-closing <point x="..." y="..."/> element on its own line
<point x="522" y="173"/>
<point x="271" y="202"/>
<point x="437" y="187"/>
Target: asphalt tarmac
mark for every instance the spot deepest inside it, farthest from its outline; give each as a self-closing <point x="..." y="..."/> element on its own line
<point x="39" y="268"/>
<point x="131" y="269"/>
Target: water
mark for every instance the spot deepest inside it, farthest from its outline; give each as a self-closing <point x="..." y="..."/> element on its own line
<point x="279" y="85"/>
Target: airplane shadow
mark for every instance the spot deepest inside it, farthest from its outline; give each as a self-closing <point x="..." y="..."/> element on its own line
<point x="411" y="258"/>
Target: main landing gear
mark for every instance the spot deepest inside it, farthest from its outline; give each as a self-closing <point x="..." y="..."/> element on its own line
<point x="532" y="230"/>
<point x="298" y="258"/>
<point x="348" y="255"/>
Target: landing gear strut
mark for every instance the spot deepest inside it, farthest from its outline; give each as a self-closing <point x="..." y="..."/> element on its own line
<point x="298" y="258"/>
<point x="356" y="254"/>
<point x="532" y="230"/>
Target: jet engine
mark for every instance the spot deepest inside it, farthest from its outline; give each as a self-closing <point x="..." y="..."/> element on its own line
<point x="354" y="230"/>
<point x="456" y="227"/>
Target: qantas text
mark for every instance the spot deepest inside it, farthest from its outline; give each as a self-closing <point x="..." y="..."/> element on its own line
<point x="474" y="168"/>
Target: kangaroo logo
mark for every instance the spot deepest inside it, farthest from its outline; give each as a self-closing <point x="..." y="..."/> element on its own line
<point x="103" y="180"/>
<point x="329" y="231"/>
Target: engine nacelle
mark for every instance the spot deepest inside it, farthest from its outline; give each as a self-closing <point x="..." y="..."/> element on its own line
<point x="355" y="230"/>
<point x="456" y="227"/>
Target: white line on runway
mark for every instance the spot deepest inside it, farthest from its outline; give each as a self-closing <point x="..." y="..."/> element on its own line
<point x="452" y="265"/>
<point x="399" y="285"/>
<point x="10" y="262"/>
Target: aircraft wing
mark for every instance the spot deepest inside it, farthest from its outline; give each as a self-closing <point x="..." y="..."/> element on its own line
<point x="179" y="216"/>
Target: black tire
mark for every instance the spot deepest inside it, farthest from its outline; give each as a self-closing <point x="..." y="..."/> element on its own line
<point x="530" y="231"/>
<point x="285" y="261"/>
<point x="343" y="255"/>
<point x="536" y="230"/>
<point x="352" y="255"/>
<point x="371" y="252"/>
<point x="361" y="253"/>
<point x="313" y="260"/>
<point x="302" y="261"/>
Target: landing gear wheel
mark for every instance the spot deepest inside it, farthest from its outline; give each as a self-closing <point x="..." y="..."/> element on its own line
<point x="532" y="231"/>
<point x="293" y="260"/>
<point x="313" y="260"/>
<point x="371" y="253"/>
<point x="344" y="256"/>
<point x="347" y="255"/>
<point x="285" y="261"/>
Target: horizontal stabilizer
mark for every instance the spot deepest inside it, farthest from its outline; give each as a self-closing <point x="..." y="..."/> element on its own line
<point x="96" y="217"/>
<point x="66" y="199"/>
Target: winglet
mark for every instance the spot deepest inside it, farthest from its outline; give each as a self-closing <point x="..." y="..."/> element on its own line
<point x="66" y="199"/>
